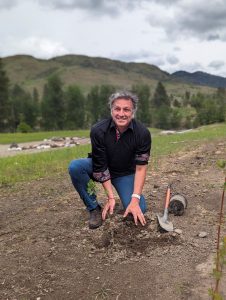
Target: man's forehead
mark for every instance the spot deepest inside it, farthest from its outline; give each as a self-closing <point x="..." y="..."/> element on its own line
<point x="123" y="102"/>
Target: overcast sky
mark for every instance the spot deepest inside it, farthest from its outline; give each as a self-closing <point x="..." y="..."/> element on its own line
<point x="171" y="34"/>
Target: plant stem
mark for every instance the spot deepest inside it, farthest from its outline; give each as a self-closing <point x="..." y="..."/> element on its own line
<point x="218" y="240"/>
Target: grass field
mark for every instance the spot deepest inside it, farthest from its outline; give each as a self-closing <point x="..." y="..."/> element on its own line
<point x="52" y="163"/>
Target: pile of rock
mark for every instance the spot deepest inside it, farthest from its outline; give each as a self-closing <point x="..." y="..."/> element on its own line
<point x="55" y="142"/>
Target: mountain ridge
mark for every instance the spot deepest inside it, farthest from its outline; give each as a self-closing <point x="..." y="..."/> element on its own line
<point x="87" y="71"/>
<point x="200" y="78"/>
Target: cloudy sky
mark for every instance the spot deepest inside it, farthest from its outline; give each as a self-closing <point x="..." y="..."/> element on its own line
<point x="172" y="34"/>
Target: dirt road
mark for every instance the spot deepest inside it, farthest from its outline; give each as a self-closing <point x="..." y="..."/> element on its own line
<point x="47" y="251"/>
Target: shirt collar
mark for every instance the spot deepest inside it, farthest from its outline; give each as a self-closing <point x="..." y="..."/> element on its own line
<point x="112" y="124"/>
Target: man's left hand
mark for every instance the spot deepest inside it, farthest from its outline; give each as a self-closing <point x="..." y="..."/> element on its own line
<point x="134" y="209"/>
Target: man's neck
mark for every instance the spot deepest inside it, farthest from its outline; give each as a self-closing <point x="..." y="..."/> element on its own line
<point x="122" y="129"/>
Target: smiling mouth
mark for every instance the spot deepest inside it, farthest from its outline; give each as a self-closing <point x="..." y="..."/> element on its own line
<point x="121" y="119"/>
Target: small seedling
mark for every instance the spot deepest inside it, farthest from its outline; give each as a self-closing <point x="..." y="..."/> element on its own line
<point x="91" y="187"/>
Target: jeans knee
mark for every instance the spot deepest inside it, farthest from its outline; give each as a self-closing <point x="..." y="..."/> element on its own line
<point x="74" y="168"/>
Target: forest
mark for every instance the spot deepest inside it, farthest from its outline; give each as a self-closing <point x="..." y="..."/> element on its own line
<point x="60" y="107"/>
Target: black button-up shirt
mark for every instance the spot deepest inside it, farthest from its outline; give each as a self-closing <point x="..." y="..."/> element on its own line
<point x="117" y="155"/>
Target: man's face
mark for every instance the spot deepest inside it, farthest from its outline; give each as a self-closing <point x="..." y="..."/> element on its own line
<point x="122" y="113"/>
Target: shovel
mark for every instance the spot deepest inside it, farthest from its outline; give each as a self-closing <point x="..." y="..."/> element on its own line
<point x="163" y="220"/>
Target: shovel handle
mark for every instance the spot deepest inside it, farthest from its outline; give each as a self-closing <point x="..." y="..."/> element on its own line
<point x="167" y="197"/>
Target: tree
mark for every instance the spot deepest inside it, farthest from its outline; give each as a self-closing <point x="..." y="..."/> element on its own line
<point x="52" y="107"/>
<point x="75" y="112"/>
<point x="93" y="105"/>
<point x="4" y="100"/>
<point x="97" y="102"/>
<point x="105" y="92"/>
<point x="143" y="112"/>
<point x="162" y="117"/>
<point x="36" y="103"/>
<point x="160" y="96"/>
<point x="22" y="108"/>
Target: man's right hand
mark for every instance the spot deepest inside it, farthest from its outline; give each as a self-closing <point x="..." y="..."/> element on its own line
<point x="108" y="207"/>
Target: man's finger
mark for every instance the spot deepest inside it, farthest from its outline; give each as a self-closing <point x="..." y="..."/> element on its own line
<point x="142" y="219"/>
<point x="104" y="213"/>
<point x="135" y="219"/>
<point x="126" y="213"/>
<point x="111" y="210"/>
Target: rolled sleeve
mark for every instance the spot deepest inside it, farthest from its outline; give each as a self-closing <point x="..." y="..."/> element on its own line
<point x="143" y="149"/>
<point x="99" y="158"/>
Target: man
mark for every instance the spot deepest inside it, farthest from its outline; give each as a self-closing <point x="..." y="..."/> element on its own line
<point x="120" y="153"/>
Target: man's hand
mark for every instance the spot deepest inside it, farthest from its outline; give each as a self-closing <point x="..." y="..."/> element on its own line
<point x="134" y="209"/>
<point x="109" y="206"/>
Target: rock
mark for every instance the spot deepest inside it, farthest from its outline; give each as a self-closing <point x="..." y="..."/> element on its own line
<point x="13" y="145"/>
<point x="202" y="234"/>
<point x="178" y="231"/>
<point x="218" y="152"/>
<point x="156" y="186"/>
<point x="167" y="132"/>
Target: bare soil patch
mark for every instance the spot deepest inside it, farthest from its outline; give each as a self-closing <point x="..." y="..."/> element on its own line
<point x="48" y="252"/>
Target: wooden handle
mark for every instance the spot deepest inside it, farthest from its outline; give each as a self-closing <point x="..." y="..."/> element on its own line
<point x="167" y="197"/>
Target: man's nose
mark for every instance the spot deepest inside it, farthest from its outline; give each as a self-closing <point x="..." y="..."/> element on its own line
<point x="121" y="112"/>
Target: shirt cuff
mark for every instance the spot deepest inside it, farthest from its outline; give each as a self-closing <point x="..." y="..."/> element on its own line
<point x="102" y="176"/>
<point x="142" y="159"/>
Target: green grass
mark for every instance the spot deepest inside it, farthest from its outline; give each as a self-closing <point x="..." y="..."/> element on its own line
<point x="38" y="165"/>
<point x="8" y="138"/>
<point x="166" y="144"/>
<point x="46" y="164"/>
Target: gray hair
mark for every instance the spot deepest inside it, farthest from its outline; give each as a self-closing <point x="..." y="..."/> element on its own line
<point x="125" y="95"/>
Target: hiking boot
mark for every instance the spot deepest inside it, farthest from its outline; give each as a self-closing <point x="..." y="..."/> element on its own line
<point x="95" y="219"/>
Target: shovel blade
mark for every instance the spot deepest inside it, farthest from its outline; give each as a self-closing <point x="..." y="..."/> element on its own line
<point x="164" y="224"/>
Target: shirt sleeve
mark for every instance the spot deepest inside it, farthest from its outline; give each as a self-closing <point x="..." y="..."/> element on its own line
<point x="99" y="158"/>
<point x="143" y="148"/>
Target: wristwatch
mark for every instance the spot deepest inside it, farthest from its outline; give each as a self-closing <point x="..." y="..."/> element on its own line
<point x="135" y="196"/>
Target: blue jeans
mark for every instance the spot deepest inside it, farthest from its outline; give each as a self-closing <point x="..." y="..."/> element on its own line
<point x="81" y="171"/>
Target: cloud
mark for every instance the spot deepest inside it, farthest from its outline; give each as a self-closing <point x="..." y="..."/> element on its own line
<point x="171" y="59"/>
<point x="95" y="7"/>
<point x="139" y="56"/>
<point x="213" y="37"/>
<point x="7" y="4"/>
<point x="38" y="47"/>
<point x="193" y="19"/>
<point x="216" y="64"/>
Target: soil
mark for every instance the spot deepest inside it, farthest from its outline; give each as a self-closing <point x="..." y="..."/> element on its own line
<point x="48" y="252"/>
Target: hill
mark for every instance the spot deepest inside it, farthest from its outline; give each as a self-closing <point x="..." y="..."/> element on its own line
<point x="87" y="71"/>
<point x="200" y="78"/>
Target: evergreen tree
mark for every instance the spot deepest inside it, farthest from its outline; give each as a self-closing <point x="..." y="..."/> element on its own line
<point x="37" y="109"/>
<point x="160" y="96"/>
<point x="52" y="107"/>
<point x="162" y="117"/>
<point x="4" y="100"/>
<point x="105" y="92"/>
<point x="75" y="113"/>
<point x="143" y="112"/>
<point x="93" y="105"/>
<point x="22" y="108"/>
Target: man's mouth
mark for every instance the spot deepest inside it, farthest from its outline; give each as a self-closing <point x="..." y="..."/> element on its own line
<point x="121" y="119"/>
